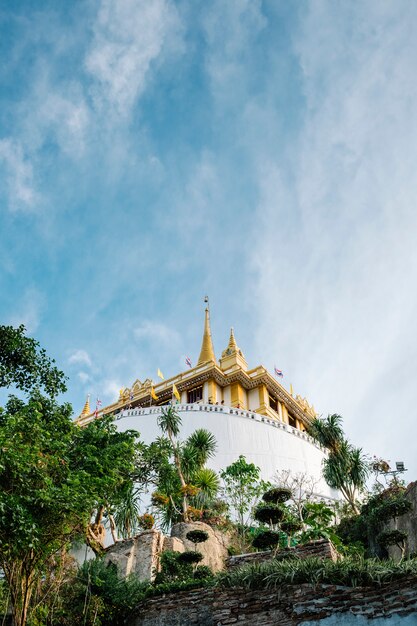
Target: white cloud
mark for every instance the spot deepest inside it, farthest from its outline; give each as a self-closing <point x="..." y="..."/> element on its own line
<point x="80" y="357"/>
<point x="156" y="332"/>
<point x="338" y="254"/>
<point x="128" y="38"/>
<point x="18" y="176"/>
<point x="29" y="310"/>
<point x="84" y="377"/>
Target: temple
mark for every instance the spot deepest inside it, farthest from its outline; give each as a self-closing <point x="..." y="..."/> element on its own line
<point x="249" y="412"/>
<point x="226" y="382"/>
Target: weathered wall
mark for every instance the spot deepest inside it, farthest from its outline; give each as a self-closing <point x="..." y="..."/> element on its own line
<point x="138" y="555"/>
<point x="408" y="523"/>
<point x="214" y="550"/>
<point x="394" y="604"/>
<point x="322" y="549"/>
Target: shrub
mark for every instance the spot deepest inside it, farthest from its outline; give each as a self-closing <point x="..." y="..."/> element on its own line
<point x="202" y="572"/>
<point x="197" y="536"/>
<point x="266" y="539"/>
<point x="277" y="495"/>
<point x="190" y="556"/>
<point x="146" y="521"/>
<point x="269" y="513"/>
<point x="391" y="538"/>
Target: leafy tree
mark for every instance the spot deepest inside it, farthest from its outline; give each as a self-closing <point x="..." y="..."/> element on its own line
<point x="24" y="364"/>
<point x="346" y="467"/>
<point x="53" y="476"/>
<point x="242" y="488"/>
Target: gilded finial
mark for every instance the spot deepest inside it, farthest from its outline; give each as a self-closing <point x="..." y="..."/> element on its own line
<point x="207" y="350"/>
<point x="86" y="410"/>
<point x="232" y="341"/>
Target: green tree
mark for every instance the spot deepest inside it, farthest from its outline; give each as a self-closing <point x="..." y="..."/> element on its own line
<point x="54" y="476"/>
<point x="242" y="488"/>
<point x="182" y="480"/>
<point x="346" y="467"/>
<point x="24" y="364"/>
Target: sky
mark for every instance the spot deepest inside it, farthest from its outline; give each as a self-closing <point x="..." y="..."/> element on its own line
<point x="262" y="152"/>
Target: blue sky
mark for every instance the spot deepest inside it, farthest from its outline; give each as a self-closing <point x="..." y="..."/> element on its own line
<point x="261" y="152"/>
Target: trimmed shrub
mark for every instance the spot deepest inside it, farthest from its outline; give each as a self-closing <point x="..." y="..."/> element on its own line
<point x="266" y="539"/>
<point x="391" y="538"/>
<point x="269" y="513"/>
<point x="197" y="536"/>
<point x="190" y="556"/>
<point x="277" y="495"/>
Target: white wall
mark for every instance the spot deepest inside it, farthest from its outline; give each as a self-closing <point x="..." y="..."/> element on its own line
<point x="270" y="444"/>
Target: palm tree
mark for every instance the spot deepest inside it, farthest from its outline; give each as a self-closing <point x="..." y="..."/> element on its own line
<point x="346" y="468"/>
<point x="190" y="480"/>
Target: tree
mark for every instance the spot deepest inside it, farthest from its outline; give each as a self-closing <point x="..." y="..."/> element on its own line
<point x="182" y="480"/>
<point x="346" y="468"/>
<point x="53" y="476"/>
<point x="242" y="488"/>
<point x="25" y="364"/>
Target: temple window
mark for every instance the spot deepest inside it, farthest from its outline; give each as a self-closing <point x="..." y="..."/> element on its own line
<point x="273" y="403"/>
<point x="291" y="421"/>
<point x="195" y="395"/>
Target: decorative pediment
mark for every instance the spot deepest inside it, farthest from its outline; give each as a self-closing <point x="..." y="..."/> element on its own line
<point x="137" y="386"/>
<point x="307" y="408"/>
<point x="147" y="383"/>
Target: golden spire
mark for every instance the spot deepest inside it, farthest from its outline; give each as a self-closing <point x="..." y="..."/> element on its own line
<point x="207" y="350"/>
<point x="86" y="410"/>
<point x="232" y="345"/>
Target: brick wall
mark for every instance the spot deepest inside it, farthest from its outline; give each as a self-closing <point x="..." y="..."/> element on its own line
<point x="391" y="604"/>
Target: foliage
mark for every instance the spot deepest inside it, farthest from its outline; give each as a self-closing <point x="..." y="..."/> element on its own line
<point x="380" y="509"/>
<point x="197" y="536"/>
<point x="202" y="572"/>
<point x="176" y="567"/>
<point x="277" y="495"/>
<point x="98" y="596"/>
<point x="350" y="572"/>
<point x="190" y="556"/>
<point x="345" y="468"/>
<point x="269" y="513"/>
<point x="53" y="476"/>
<point x="146" y="521"/>
<point x="392" y="538"/>
<point x="242" y="487"/>
<point x="24" y="364"/>
<point x="266" y="539"/>
<point x="127" y="515"/>
<point x="184" y="485"/>
<point x="318" y="519"/>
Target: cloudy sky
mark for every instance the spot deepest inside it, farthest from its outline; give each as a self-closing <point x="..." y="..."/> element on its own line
<point x="261" y="152"/>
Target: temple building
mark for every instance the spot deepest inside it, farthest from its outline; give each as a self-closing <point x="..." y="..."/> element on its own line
<point x="248" y="411"/>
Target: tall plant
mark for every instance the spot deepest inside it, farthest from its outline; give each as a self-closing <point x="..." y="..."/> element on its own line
<point x="346" y="467"/>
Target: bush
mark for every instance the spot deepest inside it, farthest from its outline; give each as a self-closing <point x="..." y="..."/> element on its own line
<point x="146" y="521"/>
<point x="197" y="536"/>
<point x="266" y="539"/>
<point x="190" y="556"/>
<point x="391" y="538"/>
<point x="277" y="495"/>
<point x="202" y="572"/>
<point x="269" y="513"/>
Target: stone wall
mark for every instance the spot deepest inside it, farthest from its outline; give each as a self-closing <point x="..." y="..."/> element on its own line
<point x="138" y="555"/>
<point x="407" y="523"/>
<point x="322" y="549"/>
<point x="394" y="604"/>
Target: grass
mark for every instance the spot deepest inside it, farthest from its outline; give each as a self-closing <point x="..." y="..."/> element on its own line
<point x="351" y="572"/>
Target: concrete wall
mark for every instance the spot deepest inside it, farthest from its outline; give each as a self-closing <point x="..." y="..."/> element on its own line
<point x="394" y="604"/>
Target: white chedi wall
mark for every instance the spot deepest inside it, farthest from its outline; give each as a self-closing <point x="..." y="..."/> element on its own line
<point x="270" y="444"/>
